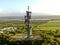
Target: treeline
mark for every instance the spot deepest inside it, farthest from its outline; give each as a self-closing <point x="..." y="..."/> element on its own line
<point x="28" y="42"/>
<point x="46" y="38"/>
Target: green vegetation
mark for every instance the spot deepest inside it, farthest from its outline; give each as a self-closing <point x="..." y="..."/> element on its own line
<point x="48" y="32"/>
<point x="46" y="38"/>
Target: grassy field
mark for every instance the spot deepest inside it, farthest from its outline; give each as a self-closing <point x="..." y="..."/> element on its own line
<point x="48" y="25"/>
<point x="35" y="24"/>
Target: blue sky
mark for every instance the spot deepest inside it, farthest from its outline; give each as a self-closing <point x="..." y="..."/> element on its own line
<point x="37" y="6"/>
<point x="16" y="5"/>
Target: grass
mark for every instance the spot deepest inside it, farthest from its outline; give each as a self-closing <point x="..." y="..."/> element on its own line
<point x="49" y="25"/>
<point x="36" y="24"/>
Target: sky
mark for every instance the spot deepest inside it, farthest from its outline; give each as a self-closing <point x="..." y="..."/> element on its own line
<point x="36" y="6"/>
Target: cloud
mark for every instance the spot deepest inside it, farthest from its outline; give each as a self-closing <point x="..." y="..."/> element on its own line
<point x="47" y="6"/>
<point x="1" y="10"/>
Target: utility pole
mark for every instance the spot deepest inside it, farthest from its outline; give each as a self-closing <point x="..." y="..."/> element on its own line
<point x="27" y="22"/>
